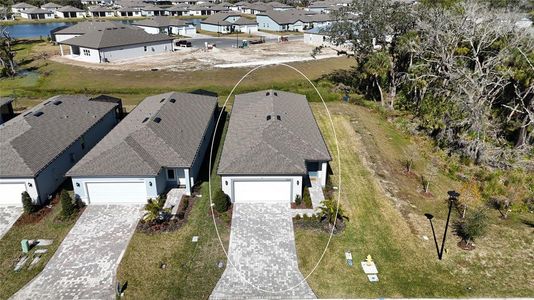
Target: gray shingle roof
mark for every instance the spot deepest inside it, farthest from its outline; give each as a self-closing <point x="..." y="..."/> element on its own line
<point x="36" y="11"/>
<point x="245" y="21"/>
<point x="88" y="26"/>
<point x="51" y="5"/>
<point x="256" y="145"/>
<point x="115" y="37"/>
<point x="22" y="5"/>
<point x="139" y="146"/>
<point x="219" y="18"/>
<point x="100" y="9"/>
<point x="69" y="8"/>
<point x="160" y="22"/>
<point x="29" y="142"/>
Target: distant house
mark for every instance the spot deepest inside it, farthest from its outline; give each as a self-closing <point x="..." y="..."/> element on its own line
<point x="161" y="144"/>
<point x="166" y="25"/>
<point x="20" y="7"/>
<point x="278" y="6"/>
<point x="6" y="109"/>
<point x="255" y="8"/>
<point x="221" y="22"/>
<point x="70" y="12"/>
<point x="116" y="43"/>
<point x="272" y="150"/>
<point x="51" y="6"/>
<point x="39" y="146"/>
<point x="178" y="10"/>
<point x="82" y="28"/>
<point x="292" y="20"/>
<point x="36" y="14"/>
<point x="130" y="11"/>
<point x="101" y="12"/>
<point x="150" y="10"/>
<point x="245" y="25"/>
<point x="238" y="6"/>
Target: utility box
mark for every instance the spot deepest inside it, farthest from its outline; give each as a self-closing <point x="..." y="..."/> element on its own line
<point x="25" y="246"/>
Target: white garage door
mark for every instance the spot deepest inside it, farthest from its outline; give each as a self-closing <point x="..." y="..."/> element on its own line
<point x="116" y="192"/>
<point x="262" y="191"/>
<point x="10" y="193"/>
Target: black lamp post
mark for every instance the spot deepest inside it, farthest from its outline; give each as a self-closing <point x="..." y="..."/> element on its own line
<point x="453" y="196"/>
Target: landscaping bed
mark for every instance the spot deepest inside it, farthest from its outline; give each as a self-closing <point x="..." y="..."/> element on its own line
<point x="172" y="223"/>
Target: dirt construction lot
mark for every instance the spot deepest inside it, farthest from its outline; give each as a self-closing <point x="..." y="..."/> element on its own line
<point x="187" y="59"/>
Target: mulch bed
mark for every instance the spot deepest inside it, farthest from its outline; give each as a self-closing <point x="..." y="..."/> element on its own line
<point x="174" y="223"/>
<point x="301" y="206"/>
<point x="223" y="218"/>
<point x="313" y="223"/>
<point x="464" y="246"/>
<point x="37" y="216"/>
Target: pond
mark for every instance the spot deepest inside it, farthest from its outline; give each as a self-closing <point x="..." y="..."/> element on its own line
<point x="36" y="30"/>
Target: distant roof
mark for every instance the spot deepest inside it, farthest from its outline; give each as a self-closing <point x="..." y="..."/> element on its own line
<point x="157" y="133"/>
<point x="6" y="100"/>
<point x="271" y="132"/>
<point x="69" y="8"/>
<point x="114" y="37"/>
<point x="33" y="139"/>
<point x="36" y="11"/>
<point x="160" y="22"/>
<point x="219" y="18"/>
<point x="51" y="5"/>
<point x="276" y="4"/>
<point x="293" y="16"/>
<point x="245" y="21"/>
<point x="100" y="8"/>
<point x="22" y="5"/>
<point x="88" y="26"/>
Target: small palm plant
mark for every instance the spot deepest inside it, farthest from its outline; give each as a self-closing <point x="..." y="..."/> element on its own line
<point x="154" y="209"/>
<point x="330" y="211"/>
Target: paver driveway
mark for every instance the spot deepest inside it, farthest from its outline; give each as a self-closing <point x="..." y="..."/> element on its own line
<point x="8" y="217"/>
<point x="262" y="249"/>
<point x="85" y="263"/>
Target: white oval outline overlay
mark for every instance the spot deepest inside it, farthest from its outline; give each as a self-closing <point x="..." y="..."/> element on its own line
<point x="210" y="166"/>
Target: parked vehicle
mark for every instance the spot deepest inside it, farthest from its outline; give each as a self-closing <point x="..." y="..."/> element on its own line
<point x="183" y="43"/>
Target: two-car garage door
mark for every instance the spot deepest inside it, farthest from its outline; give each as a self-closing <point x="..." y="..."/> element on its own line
<point x="10" y="193"/>
<point x="262" y="191"/>
<point x="116" y="192"/>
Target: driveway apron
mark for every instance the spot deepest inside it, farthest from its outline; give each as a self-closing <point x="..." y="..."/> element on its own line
<point x="262" y="251"/>
<point x="85" y="264"/>
<point x="8" y="217"/>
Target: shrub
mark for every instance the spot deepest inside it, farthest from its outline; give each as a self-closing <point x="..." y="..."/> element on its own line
<point x="68" y="205"/>
<point x="154" y="209"/>
<point x="331" y="212"/>
<point x="307" y="198"/>
<point x="471" y="226"/>
<point x="221" y="201"/>
<point x="27" y="203"/>
<point x="298" y="200"/>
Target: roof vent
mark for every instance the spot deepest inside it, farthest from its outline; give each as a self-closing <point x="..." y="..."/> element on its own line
<point x="275" y="93"/>
<point x="39" y="113"/>
<point x="173" y="100"/>
<point x="268" y="117"/>
<point x="161" y="100"/>
<point x="268" y="94"/>
<point x="157" y="119"/>
<point x="146" y="119"/>
<point x="278" y="117"/>
<point x="57" y="102"/>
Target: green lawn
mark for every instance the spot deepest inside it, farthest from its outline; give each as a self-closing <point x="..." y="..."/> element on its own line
<point x="391" y="231"/>
<point x="10" y="249"/>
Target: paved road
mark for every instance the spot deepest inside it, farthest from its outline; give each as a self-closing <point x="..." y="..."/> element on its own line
<point x="85" y="264"/>
<point x="8" y="217"/>
<point x="262" y="249"/>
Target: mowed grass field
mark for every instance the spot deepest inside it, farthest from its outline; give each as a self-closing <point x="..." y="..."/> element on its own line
<point x="391" y="230"/>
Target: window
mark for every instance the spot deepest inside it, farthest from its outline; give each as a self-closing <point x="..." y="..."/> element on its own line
<point x="170" y="173"/>
<point x="82" y="142"/>
<point x="86" y="52"/>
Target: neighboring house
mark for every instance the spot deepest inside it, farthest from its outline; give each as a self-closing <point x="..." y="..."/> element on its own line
<point x="278" y="6"/>
<point x="51" y="6"/>
<point x="70" y="12"/>
<point x="178" y="10"/>
<point x="255" y="8"/>
<point x="20" y="7"/>
<point x="292" y="20"/>
<point x="245" y="25"/>
<point x="39" y="146"/>
<point x="161" y="144"/>
<point x="36" y="14"/>
<point x="166" y="25"/>
<point x="6" y="109"/>
<point x="150" y="10"/>
<point x="130" y="12"/>
<point x="221" y="22"/>
<point x="101" y="12"/>
<point x="238" y="6"/>
<point x="116" y="43"/>
<point x="273" y="148"/>
<point x="82" y="28"/>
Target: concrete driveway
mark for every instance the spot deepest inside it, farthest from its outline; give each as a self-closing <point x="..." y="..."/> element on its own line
<point x="8" y="217"/>
<point x="262" y="249"/>
<point x="85" y="264"/>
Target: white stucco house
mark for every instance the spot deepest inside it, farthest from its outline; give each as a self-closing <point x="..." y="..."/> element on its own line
<point x="161" y="144"/>
<point x="228" y="22"/>
<point x="245" y="25"/>
<point x="273" y="148"/>
<point x="40" y="145"/>
<point x="51" y="6"/>
<point x="20" y="7"/>
<point x="36" y="14"/>
<point x="69" y="12"/>
<point x="166" y="25"/>
<point x="101" y="12"/>
<point x="116" y="43"/>
<point x="130" y="11"/>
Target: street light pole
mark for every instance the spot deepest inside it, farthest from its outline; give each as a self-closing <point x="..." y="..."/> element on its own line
<point x="453" y="196"/>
